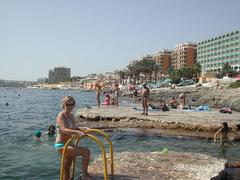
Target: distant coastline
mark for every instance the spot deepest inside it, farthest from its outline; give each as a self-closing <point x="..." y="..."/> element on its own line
<point x="12" y="83"/>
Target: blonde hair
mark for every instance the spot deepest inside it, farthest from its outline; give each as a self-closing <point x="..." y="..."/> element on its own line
<point x="67" y="99"/>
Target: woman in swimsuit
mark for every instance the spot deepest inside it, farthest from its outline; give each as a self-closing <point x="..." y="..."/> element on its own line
<point x="66" y="127"/>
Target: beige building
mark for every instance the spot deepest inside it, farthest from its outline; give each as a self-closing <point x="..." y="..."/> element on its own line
<point x="184" y="55"/>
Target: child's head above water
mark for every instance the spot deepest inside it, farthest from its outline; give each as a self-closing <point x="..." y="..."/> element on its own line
<point x="51" y="130"/>
<point x="38" y="134"/>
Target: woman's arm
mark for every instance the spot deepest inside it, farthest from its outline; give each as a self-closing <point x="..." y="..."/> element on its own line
<point x="61" y="123"/>
<point x="215" y="135"/>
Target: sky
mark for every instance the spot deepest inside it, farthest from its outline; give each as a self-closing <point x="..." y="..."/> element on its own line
<point x="97" y="36"/>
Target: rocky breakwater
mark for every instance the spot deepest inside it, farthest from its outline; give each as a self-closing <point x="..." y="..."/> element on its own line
<point x="157" y="165"/>
<point x="174" y="122"/>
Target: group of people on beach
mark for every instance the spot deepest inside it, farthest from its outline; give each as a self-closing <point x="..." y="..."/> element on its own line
<point x="173" y="103"/>
<point x="108" y="100"/>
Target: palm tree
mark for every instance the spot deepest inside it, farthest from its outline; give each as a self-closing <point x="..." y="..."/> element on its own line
<point x="196" y="70"/>
<point x="122" y="74"/>
<point x="146" y="67"/>
<point x="156" y="70"/>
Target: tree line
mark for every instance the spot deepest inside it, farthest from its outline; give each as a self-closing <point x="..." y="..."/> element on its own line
<point x="148" y="70"/>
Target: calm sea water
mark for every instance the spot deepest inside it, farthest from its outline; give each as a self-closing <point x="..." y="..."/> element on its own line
<point x="21" y="157"/>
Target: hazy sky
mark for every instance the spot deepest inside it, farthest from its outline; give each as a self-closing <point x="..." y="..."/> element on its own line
<point x="101" y="35"/>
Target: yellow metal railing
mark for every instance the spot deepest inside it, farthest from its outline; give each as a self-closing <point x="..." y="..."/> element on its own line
<point x="110" y="145"/>
<point x="77" y="138"/>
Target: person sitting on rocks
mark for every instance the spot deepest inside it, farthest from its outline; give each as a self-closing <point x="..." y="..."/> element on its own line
<point x="107" y="99"/>
<point x="182" y="98"/>
<point x="161" y="106"/>
<point x="173" y="103"/>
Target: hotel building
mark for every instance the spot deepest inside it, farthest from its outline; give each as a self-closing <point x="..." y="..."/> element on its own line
<point x="163" y="59"/>
<point x="212" y="53"/>
<point x="184" y="55"/>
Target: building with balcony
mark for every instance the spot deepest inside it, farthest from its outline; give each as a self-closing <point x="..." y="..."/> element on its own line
<point x="163" y="59"/>
<point x="184" y="55"/>
<point x="212" y="53"/>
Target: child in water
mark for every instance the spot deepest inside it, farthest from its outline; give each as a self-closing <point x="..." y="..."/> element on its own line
<point x="50" y="133"/>
<point x="51" y="130"/>
<point x="37" y="135"/>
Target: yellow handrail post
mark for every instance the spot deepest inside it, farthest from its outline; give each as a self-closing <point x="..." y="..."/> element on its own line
<point x="103" y="154"/>
<point x="110" y="146"/>
<point x="74" y="160"/>
<point x="63" y="156"/>
<point x="78" y="138"/>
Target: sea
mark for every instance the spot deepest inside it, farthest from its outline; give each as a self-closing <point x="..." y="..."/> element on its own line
<point x="23" y="111"/>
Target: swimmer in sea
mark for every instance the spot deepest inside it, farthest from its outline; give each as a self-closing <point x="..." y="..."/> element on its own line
<point x="51" y="130"/>
<point x="38" y="135"/>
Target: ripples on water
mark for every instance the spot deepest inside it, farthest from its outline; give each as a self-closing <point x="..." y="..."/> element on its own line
<point x="21" y="157"/>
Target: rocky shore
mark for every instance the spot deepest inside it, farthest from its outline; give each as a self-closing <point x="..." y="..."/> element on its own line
<point x="175" y="122"/>
<point x="157" y="165"/>
<point x="215" y="95"/>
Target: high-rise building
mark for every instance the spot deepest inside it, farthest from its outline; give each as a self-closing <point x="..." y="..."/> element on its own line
<point x="51" y="78"/>
<point x="59" y="74"/>
<point x="216" y="51"/>
<point x="163" y="59"/>
<point x="184" y="55"/>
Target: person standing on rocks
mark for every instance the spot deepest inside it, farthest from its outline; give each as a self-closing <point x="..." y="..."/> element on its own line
<point x="116" y="91"/>
<point x="98" y="90"/>
<point x="182" y="98"/>
<point x="145" y="99"/>
<point x="135" y="93"/>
